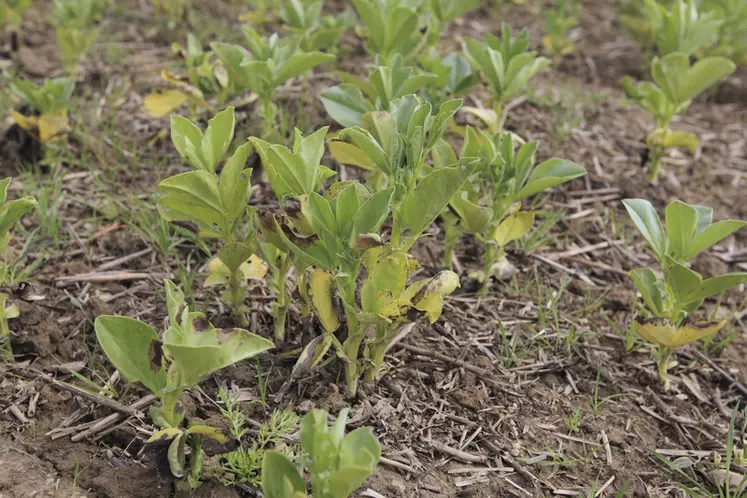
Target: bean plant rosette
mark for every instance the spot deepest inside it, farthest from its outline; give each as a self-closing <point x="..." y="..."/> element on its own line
<point x="673" y="299"/>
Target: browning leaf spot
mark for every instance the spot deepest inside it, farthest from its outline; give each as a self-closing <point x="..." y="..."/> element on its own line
<point x="200" y="324"/>
<point x="227" y="334"/>
<point x="155" y="355"/>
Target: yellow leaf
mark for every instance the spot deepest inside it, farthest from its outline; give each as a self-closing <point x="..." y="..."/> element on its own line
<point x="662" y="333"/>
<point x="28" y="123"/>
<point x="164" y="435"/>
<point x="487" y="116"/>
<point x="160" y="104"/>
<point x="515" y="226"/>
<point x="219" y="274"/>
<point x="207" y="431"/>
<point x="345" y="153"/>
<point x="321" y="298"/>
<point x="427" y="295"/>
<point x="12" y="312"/>
<point x="254" y="268"/>
<point x="51" y="127"/>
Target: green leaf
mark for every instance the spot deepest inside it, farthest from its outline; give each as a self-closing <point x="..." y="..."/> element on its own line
<point x="682" y="83"/>
<point x="193" y="196"/>
<point x="217" y="138"/>
<point x="646" y="283"/>
<point x="645" y="218"/>
<point x="373" y="212"/>
<point x="203" y="352"/>
<point x="681" y="220"/>
<point x="233" y="255"/>
<point x="549" y="174"/>
<point x="11" y="212"/>
<point x="346" y="206"/>
<point x="300" y="63"/>
<point x="716" y="285"/>
<point x="235" y="183"/>
<point x="280" y="479"/>
<point x="682" y="280"/>
<point x="433" y="193"/>
<point x="345" y="104"/>
<point x="476" y="218"/>
<point x="128" y="343"/>
<point x="712" y="235"/>
<point x="385" y="283"/>
<point x="187" y="139"/>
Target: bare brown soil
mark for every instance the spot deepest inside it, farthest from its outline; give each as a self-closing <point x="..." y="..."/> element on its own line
<point x="477" y="404"/>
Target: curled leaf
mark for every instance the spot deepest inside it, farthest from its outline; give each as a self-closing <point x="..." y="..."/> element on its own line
<point x="321" y="299"/>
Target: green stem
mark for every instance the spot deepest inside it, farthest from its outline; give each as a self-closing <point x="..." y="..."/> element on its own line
<point x="378" y="351"/>
<point x="488" y="261"/>
<point x="280" y="308"/>
<point x="236" y="293"/>
<point x="268" y="117"/>
<point x="396" y="231"/>
<point x="303" y="290"/>
<point x="663" y="364"/>
<point x="6" y="351"/>
<point x="655" y="164"/>
<point x="451" y="237"/>
<point x="169" y="401"/>
<point x="500" y="116"/>
<point x="355" y="336"/>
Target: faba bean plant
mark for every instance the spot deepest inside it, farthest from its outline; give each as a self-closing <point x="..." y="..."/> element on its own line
<point x="676" y="83"/>
<point x="189" y="350"/>
<point x="294" y="175"/>
<point x="489" y="204"/>
<point x="337" y="463"/>
<point x="267" y="64"/>
<point x="506" y="66"/>
<point x="672" y="299"/>
<point x="76" y="32"/>
<point x="10" y="213"/>
<point x="51" y="101"/>
<point x="216" y="204"/>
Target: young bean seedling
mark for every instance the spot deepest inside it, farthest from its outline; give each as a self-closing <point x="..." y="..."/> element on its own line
<point x="304" y="21"/>
<point x="50" y="101"/>
<point x="11" y="14"/>
<point x="561" y="18"/>
<point x="216" y="204"/>
<point x="732" y="36"/>
<point x="10" y="213"/>
<point x="506" y="66"/>
<point x="75" y="31"/>
<point x="489" y="205"/>
<point x="675" y="84"/>
<point x="337" y="463"/>
<point x="391" y="26"/>
<point x="267" y="64"/>
<point x="675" y="297"/>
<point x="189" y="350"/>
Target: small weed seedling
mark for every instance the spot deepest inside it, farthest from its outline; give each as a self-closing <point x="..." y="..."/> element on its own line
<point x="673" y="299"/>
<point x="51" y="101"/>
<point x="189" y="350"/>
<point x="75" y="31"/>
<point x="217" y="204"/>
<point x="267" y="64"/>
<point x="294" y="175"/>
<point x="561" y="18"/>
<point x="337" y="463"/>
<point x="675" y="84"/>
<point x="489" y="205"/>
<point x="506" y="66"/>
<point x="10" y="213"/>
<point x="204" y="78"/>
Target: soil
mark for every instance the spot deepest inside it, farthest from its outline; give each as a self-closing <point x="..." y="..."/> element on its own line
<point x="532" y="385"/>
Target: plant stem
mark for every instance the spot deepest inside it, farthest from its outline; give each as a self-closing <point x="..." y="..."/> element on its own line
<point x="352" y="344"/>
<point x="396" y="231"/>
<point x="378" y="351"/>
<point x="655" y="164"/>
<point x="280" y="308"/>
<point x="451" y="237"/>
<point x="488" y="260"/>
<point x="236" y="293"/>
<point x="663" y="364"/>
<point x="6" y="351"/>
<point x="268" y="116"/>
<point x="303" y="290"/>
<point x="169" y="401"/>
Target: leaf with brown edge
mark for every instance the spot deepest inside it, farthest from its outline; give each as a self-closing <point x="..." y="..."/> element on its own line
<point x="164" y="435"/>
<point x="662" y="333"/>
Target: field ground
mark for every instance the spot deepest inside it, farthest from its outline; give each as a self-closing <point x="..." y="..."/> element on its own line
<point x="527" y="392"/>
